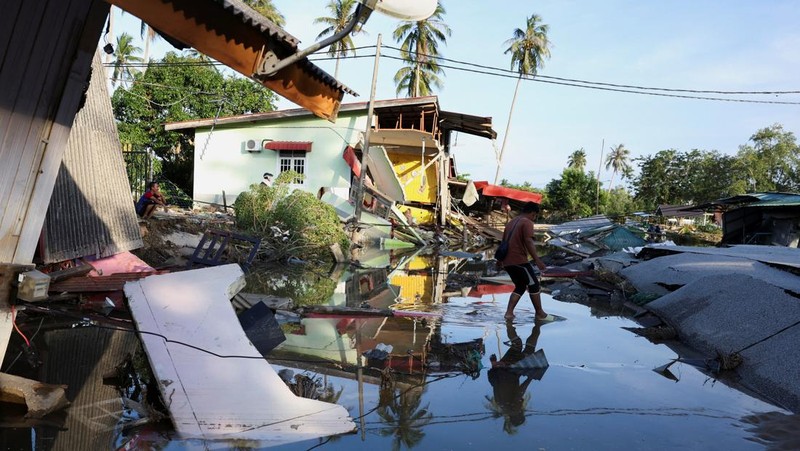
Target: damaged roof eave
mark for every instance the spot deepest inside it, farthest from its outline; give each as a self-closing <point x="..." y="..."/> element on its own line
<point x="403" y="137"/>
<point x="237" y="36"/>
<point x="465" y="123"/>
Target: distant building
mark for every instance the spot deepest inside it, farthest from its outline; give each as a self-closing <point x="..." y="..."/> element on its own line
<point x="760" y="218"/>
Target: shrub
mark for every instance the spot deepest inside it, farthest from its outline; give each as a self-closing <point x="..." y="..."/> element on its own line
<point x="295" y="224"/>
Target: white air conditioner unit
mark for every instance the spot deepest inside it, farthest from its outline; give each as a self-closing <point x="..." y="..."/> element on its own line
<point x="251" y="146"/>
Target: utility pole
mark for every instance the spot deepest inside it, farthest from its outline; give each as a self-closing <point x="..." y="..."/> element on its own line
<point x="599" y="166"/>
<point x="367" y="133"/>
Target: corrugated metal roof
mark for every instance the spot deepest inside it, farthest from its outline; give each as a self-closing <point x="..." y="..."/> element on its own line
<point x="91" y="210"/>
<point x="776" y="200"/>
<point x="767" y="199"/>
<point x="580" y="225"/>
<point x="252" y="18"/>
<point x="680" y="211"/>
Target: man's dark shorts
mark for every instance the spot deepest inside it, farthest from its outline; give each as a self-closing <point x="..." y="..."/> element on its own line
<point x="524" y="276"/>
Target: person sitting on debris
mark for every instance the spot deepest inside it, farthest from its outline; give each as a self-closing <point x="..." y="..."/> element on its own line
<point x="151" y="198"/>
<point x="267" y="180"/>
<point x="519" y="235"/>
<point x="509" y="393"/>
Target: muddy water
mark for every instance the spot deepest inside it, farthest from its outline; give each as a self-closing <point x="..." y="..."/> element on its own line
<point x="448" y="372"/>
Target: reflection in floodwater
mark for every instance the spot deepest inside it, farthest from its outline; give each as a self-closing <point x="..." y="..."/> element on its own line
<point x="422" y="378"/>
<point x="510" y="398"/>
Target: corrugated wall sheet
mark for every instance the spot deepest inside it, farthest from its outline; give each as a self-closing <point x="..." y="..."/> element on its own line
<point x="91" y="212"/>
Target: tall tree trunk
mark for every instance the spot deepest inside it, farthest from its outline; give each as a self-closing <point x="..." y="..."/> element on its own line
<point x="147" y="39"/>
<point x="418" y="69"/>
<point x="508" y="127"/>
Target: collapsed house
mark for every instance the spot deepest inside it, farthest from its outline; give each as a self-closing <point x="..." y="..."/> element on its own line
<point x="408" y="161"/>
<point x="590" y="236"/>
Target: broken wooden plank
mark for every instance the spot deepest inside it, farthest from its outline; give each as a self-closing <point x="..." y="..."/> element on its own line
<point x="41" y="398"/>
<point x="64" y="274"/>
<point x="215" y="383"/>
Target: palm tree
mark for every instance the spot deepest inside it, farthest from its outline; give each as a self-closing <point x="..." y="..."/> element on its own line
<point x="529" y="48"/>
<point x="405" y="419"/>
<point x="578" y="159"/>
<point x="268" y="10"/>
<point x="341" y="13"/>
<point x="617" y="161"/>
<point x="124" y="54"/>
<point x="148" y="35"/>
<point x="420" y="49"/>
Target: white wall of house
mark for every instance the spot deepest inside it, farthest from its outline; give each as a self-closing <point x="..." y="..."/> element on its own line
<point x="223" y="163"/>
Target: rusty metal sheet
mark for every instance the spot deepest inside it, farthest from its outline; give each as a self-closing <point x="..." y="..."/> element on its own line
<point x="232" y="33"/>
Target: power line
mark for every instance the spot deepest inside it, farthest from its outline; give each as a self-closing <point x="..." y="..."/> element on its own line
<point x="572" y="80"/>
<point x="562" y="81"/>
<point x="601" y="88"/>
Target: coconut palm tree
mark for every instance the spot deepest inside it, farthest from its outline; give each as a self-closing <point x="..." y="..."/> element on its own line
<point x="578" y="159"/>
<point x="528" y="48"/>
<point x="267" y="9"/>
<point x="148" y="35"/>
<point x="419" y="44"/>
<point x="618" y="161"/>
<point x="341" y="13"/>
<point x="405" y="419"/>
<point x="125" y="54"/>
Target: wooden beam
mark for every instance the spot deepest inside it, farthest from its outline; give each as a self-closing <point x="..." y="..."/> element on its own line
<point x="218" y="33"/>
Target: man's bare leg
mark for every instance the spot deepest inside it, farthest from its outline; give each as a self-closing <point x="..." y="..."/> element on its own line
<point x="149" y="210"/>
<point x="512" y="302"/>
<point x="536" y="300"/>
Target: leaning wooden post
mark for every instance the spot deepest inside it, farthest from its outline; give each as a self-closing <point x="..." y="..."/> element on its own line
<point x="367" y="132"/>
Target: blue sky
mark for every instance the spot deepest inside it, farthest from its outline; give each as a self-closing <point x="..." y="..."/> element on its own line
<point x="700" y="45"/>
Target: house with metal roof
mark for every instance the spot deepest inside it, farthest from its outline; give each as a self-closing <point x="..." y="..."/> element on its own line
<point x="408" y="162"/>
<point x="760" y="218"/>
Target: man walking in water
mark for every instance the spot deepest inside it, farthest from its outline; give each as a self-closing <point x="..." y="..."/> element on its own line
<point x="519" y="235"/>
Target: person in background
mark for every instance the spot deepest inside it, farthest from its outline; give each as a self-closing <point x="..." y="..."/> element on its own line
<point x="267" y="180"/>
<point x="151" y="198"/>
<point x="519" y="234"/>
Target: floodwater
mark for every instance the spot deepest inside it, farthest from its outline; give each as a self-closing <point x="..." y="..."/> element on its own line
<point x="448" y="372"/>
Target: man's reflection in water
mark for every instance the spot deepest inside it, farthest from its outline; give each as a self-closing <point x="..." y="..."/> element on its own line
<point x="510" y="399"/>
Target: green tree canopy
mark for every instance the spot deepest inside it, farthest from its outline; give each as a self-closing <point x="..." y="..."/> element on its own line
<point x="577" y="159"/>
<point x="267" y="9"/>
<point x="419" y="44"/>
<point x="528" y="48"/>
<point x="125" y="53"/>
<point x="771" y="163"/>
<point x="573" y="196"/>
<point x="341" y="12"/>
<point x="181" y="88"/>
<point x="618" y="160"/>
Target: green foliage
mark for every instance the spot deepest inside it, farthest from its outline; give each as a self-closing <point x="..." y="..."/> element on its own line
<point x="573" y="196"/>
<point x="618" y="203"/>
<point x="529" y="47"/>
<point x="341" y="11"/>
<point x="772" y="163"/>
<point x="181" y="88"/>
<point x="295" y="224"/>
<point x="419" y="45"/>
<point x="577" y="160"/>
<point x="124" y="54"/>
<point x="618" y="160"/>
<point x="267" y="9"/>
